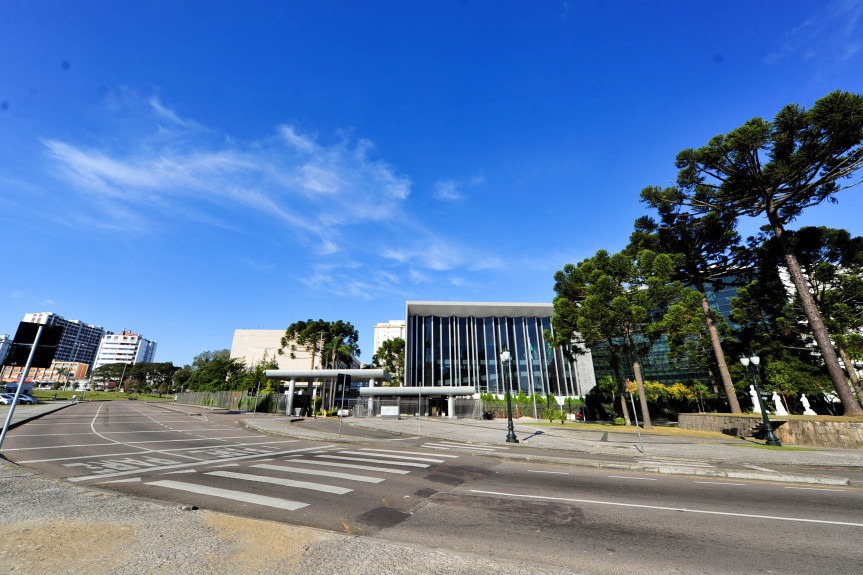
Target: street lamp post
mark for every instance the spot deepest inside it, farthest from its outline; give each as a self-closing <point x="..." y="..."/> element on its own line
<point x="510" y="434"/>
<point x="753" y="372"/>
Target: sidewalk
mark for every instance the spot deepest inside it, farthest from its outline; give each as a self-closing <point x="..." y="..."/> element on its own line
<point x="700" y="454"/>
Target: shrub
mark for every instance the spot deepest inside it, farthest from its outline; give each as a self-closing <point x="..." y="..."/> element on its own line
<point x="619" y="421"/>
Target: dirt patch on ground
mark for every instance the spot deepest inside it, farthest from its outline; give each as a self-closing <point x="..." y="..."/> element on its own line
<point x="63" y="546"/>
<point x="260" y="546"/>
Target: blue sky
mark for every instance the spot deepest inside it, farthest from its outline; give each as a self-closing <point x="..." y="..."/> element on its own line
<point x="184" y="169"/>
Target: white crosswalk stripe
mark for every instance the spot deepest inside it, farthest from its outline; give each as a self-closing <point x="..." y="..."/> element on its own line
<point x="391" y="455"/>
<point x="350" y="466"/>
<point x="318" y="472"/>
<point x="232" y="495"/>
<point x="370" y="450"/>
<point x="282" y="481"/>
<point x="378" y="461"/>
<point x="447" y="445"/>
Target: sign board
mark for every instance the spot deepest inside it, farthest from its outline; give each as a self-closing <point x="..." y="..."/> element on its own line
<point x="23" y="343"/>
<point x="390" y="411"/>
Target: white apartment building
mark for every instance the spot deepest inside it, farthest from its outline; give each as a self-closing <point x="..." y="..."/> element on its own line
<point x="390" y="330"/>
<point x="124" y="347"/>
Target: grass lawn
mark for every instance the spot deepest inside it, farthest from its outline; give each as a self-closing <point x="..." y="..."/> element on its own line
<point x="48" y="394"/>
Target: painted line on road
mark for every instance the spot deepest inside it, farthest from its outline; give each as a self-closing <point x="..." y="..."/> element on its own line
<point x="232" y="495"/>
<point x="352" y="466"/>
<point x="142" y="450"/>
<point x="282" y="481"/>
<point x="635" y="478"/>
<point x="318" y="472"/>
<point x="367" y="460"/>
<point x="661" y="508"/>
<point x="817" y="489"/>
<point x="458" y="446"/>
<point x="409" y="453"/>
<point x="764" y="469"/>
<point x="370" y="453"/>
<point x="547" y="472"/>
<point x="181" y="465"/>
<point x="718" y="483"/>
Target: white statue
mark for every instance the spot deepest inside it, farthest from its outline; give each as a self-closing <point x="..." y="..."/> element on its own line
<point x="756" y="406"/>
<point x="777" y="402"/>
<point x="807" y="409"/>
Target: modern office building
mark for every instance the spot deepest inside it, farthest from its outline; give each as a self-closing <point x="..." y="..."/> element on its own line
<point x="459" y="344"/>
<point x="124" y="347"/>
<point x="79" y="342"/>
<point x="5" y="345"/>
<point x="390" y="330"/>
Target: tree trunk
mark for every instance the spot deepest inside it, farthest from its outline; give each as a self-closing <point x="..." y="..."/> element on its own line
<point x="639" y="380"/>
<point x="715" y="342"/>
<point x="852" y="371"/>
<point x="620" y="390"/>
<point x="816" y="324"/>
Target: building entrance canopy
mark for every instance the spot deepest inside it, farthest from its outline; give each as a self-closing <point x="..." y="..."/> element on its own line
<point x="327" y="374"/>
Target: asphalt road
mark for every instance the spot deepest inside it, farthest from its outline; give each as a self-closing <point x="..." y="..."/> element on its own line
<point x="451" y="496"/>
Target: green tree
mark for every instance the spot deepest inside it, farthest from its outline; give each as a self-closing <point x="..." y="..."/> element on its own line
<point x="108" y="373"/>
<point x="308" y="335"/>
<point x="255" y="376"/>
<point x="776" y="170"/>
<point x="620" y="300"/>
<point x="216" y="371"/>
<point x="391" y="357"/>
<point x="704" y="248"/>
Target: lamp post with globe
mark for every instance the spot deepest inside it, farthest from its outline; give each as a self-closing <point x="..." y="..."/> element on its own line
<point x="751" y="365"/>
<point x="510" y="435"/>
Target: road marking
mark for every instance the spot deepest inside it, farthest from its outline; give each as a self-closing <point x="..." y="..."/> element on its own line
<point x="170" y="473"/>
<point x="548" y="472"/>
<point x="630" y="477"/>
<point x="402" y="438"/>
<point x="130" y="480"/>
<point x="282" y="481"/>
<point x="717" y="483"/>
<point x="408" y="453"/>
<point x="232" y="495"/>
<point x="672" y="462"/>
<point x="660" y="508"/>
<point x="455" y="446"/>
<point x="142" y="450"/>
<point x="334" y="474"/>
<point x="352" y="466"/>
<point x="405" y="463"/>
<point x="179" y="465"/>
<point x="756" y="468"/>
<point x="387" y="456"/>
<point x="817" y="489"/>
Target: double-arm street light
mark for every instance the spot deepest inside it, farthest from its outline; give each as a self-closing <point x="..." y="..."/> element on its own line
<point x="751" y="365"/>
<point x="510" y="435"/>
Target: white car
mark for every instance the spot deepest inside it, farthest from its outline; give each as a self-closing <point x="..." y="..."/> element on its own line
<point x="7" y="399"/>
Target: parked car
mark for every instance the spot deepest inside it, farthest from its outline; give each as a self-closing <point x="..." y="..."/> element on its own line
<point x="28" y="399"/>
<point x="7" y="399"/>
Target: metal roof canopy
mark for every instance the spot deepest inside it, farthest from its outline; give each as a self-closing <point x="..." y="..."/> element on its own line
<point x="427" y="391"/>
<point x="319" y="374"/>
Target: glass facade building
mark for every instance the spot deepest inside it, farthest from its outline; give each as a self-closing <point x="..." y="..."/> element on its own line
<point x="459" y="344"/>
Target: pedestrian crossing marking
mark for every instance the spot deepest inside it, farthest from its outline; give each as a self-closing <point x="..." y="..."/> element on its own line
<point x="351" y="466"/>
<point x="367" y="460"/>
<point x="388" y="456"/>
<point x="408" y="452"/>
<point x="232" y="495"/>
<point x="283" y="482"/>
<point x="459" y="446"/>
<point x="318" y="472"/>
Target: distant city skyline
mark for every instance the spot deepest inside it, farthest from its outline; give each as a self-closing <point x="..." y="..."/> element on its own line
<point x="187" y="169"/>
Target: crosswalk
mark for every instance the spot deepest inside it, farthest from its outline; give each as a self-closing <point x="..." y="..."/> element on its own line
<point x="323" y="471"/>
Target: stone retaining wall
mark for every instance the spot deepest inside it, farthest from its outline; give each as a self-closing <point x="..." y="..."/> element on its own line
<point x="822" y="431"/>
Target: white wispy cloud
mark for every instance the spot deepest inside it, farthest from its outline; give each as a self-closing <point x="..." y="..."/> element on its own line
<point x="833" y="31"/>
<point x="454" y="190"/>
